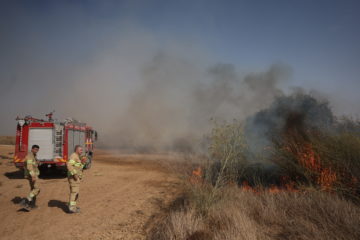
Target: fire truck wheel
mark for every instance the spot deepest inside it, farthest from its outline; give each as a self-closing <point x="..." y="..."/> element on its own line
<point x="22" y="172"/>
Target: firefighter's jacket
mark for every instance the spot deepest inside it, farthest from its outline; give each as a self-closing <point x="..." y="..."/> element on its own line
<point x="31" y="168"/>
<point x="74" y="165"/>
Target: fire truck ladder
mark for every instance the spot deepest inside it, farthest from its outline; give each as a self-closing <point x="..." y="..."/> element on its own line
<point x="58" y="140"/>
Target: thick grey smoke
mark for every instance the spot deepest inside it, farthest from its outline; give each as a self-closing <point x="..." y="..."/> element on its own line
<point x="293" y="115"/>
<point x="173" y="106"/>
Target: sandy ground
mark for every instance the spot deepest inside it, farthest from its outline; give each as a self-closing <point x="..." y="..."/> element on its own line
<point x="118" y="197"/>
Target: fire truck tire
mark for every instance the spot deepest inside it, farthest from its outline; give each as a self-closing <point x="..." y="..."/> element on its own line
<point x="22" y="172"/>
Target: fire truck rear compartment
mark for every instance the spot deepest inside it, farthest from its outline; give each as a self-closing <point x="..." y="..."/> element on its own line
<point x="44" y="137"/>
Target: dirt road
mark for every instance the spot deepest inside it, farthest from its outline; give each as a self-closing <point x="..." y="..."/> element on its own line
<point x="118" y="196"/>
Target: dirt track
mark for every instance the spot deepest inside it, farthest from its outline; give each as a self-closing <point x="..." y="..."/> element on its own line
<point x="118" y="196"/>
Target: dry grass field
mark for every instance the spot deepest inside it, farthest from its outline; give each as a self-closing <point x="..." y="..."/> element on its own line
<point x="235" y="214"/>
<point x="118" y="197"/>
<point x="7" y="140"/>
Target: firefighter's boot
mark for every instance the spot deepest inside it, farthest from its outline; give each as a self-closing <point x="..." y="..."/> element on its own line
<point x="74" y="209"/>
<point x="25" y="203"/>
<point x="32" y="203"/>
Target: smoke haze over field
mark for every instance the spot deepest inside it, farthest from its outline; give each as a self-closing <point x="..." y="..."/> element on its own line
<point x="178" y="98"/>
<point x="144" y="76"/>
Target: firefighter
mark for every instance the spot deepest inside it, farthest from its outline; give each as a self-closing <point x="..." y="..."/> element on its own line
<point x="31" y="172"/>
<point x="75" y="167"/>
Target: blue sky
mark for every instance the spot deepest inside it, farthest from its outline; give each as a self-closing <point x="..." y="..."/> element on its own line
<point x="253" y="33"/>
<point x="318" y="39"/>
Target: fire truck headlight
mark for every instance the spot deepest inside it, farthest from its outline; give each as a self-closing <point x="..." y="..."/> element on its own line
<point x="21" y="122"/>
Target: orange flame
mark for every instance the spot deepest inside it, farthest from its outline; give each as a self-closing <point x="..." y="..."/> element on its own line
<point x="196" y="176"/>
<point x="325" y="177"/>
<point x="246" y="187"/>
<point x="197" y="172"/>
<point x="289" y="187"/>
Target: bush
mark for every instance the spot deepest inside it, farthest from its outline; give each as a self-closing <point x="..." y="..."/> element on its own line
<point x="326" y="159"/>
<point x="227" y="154"/>
<point x="341" y="154"/>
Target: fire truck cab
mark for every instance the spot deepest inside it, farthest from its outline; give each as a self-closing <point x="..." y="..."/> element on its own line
<point x="56" y="140"/>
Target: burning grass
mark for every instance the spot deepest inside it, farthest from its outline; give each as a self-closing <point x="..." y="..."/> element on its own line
<point x="205" y="211"/>
<point x="235" y="214"/>
<point x="302" y="184"/>
<point x="327" y="162"/>
<point x="299" y="151"/>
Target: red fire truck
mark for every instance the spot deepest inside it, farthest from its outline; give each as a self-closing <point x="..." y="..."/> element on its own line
<point x="56" y="139"/>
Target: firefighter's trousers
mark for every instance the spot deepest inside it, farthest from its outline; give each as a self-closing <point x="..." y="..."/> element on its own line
<point x="34" y="189"/>
<point x="74" y="190"/>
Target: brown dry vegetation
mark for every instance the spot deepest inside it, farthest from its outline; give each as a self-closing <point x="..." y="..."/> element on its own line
<point x="231" y="214"/>
<point x="7" y="140"/>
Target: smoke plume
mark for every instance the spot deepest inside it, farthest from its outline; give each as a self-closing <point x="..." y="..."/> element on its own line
<point x="288" y="115"/>
<point x="173" y="106"/>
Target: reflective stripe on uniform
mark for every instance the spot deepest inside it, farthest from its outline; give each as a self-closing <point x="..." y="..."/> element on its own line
<point x="72" y="203"/>
<point x="72" y="161"/>
<point x="78" y="164"/>
<point x="75" y="163"/>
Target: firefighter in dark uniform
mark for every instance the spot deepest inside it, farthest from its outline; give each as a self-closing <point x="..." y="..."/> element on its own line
<point x="31" y="172"/>
<point x="75" y="166"/>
